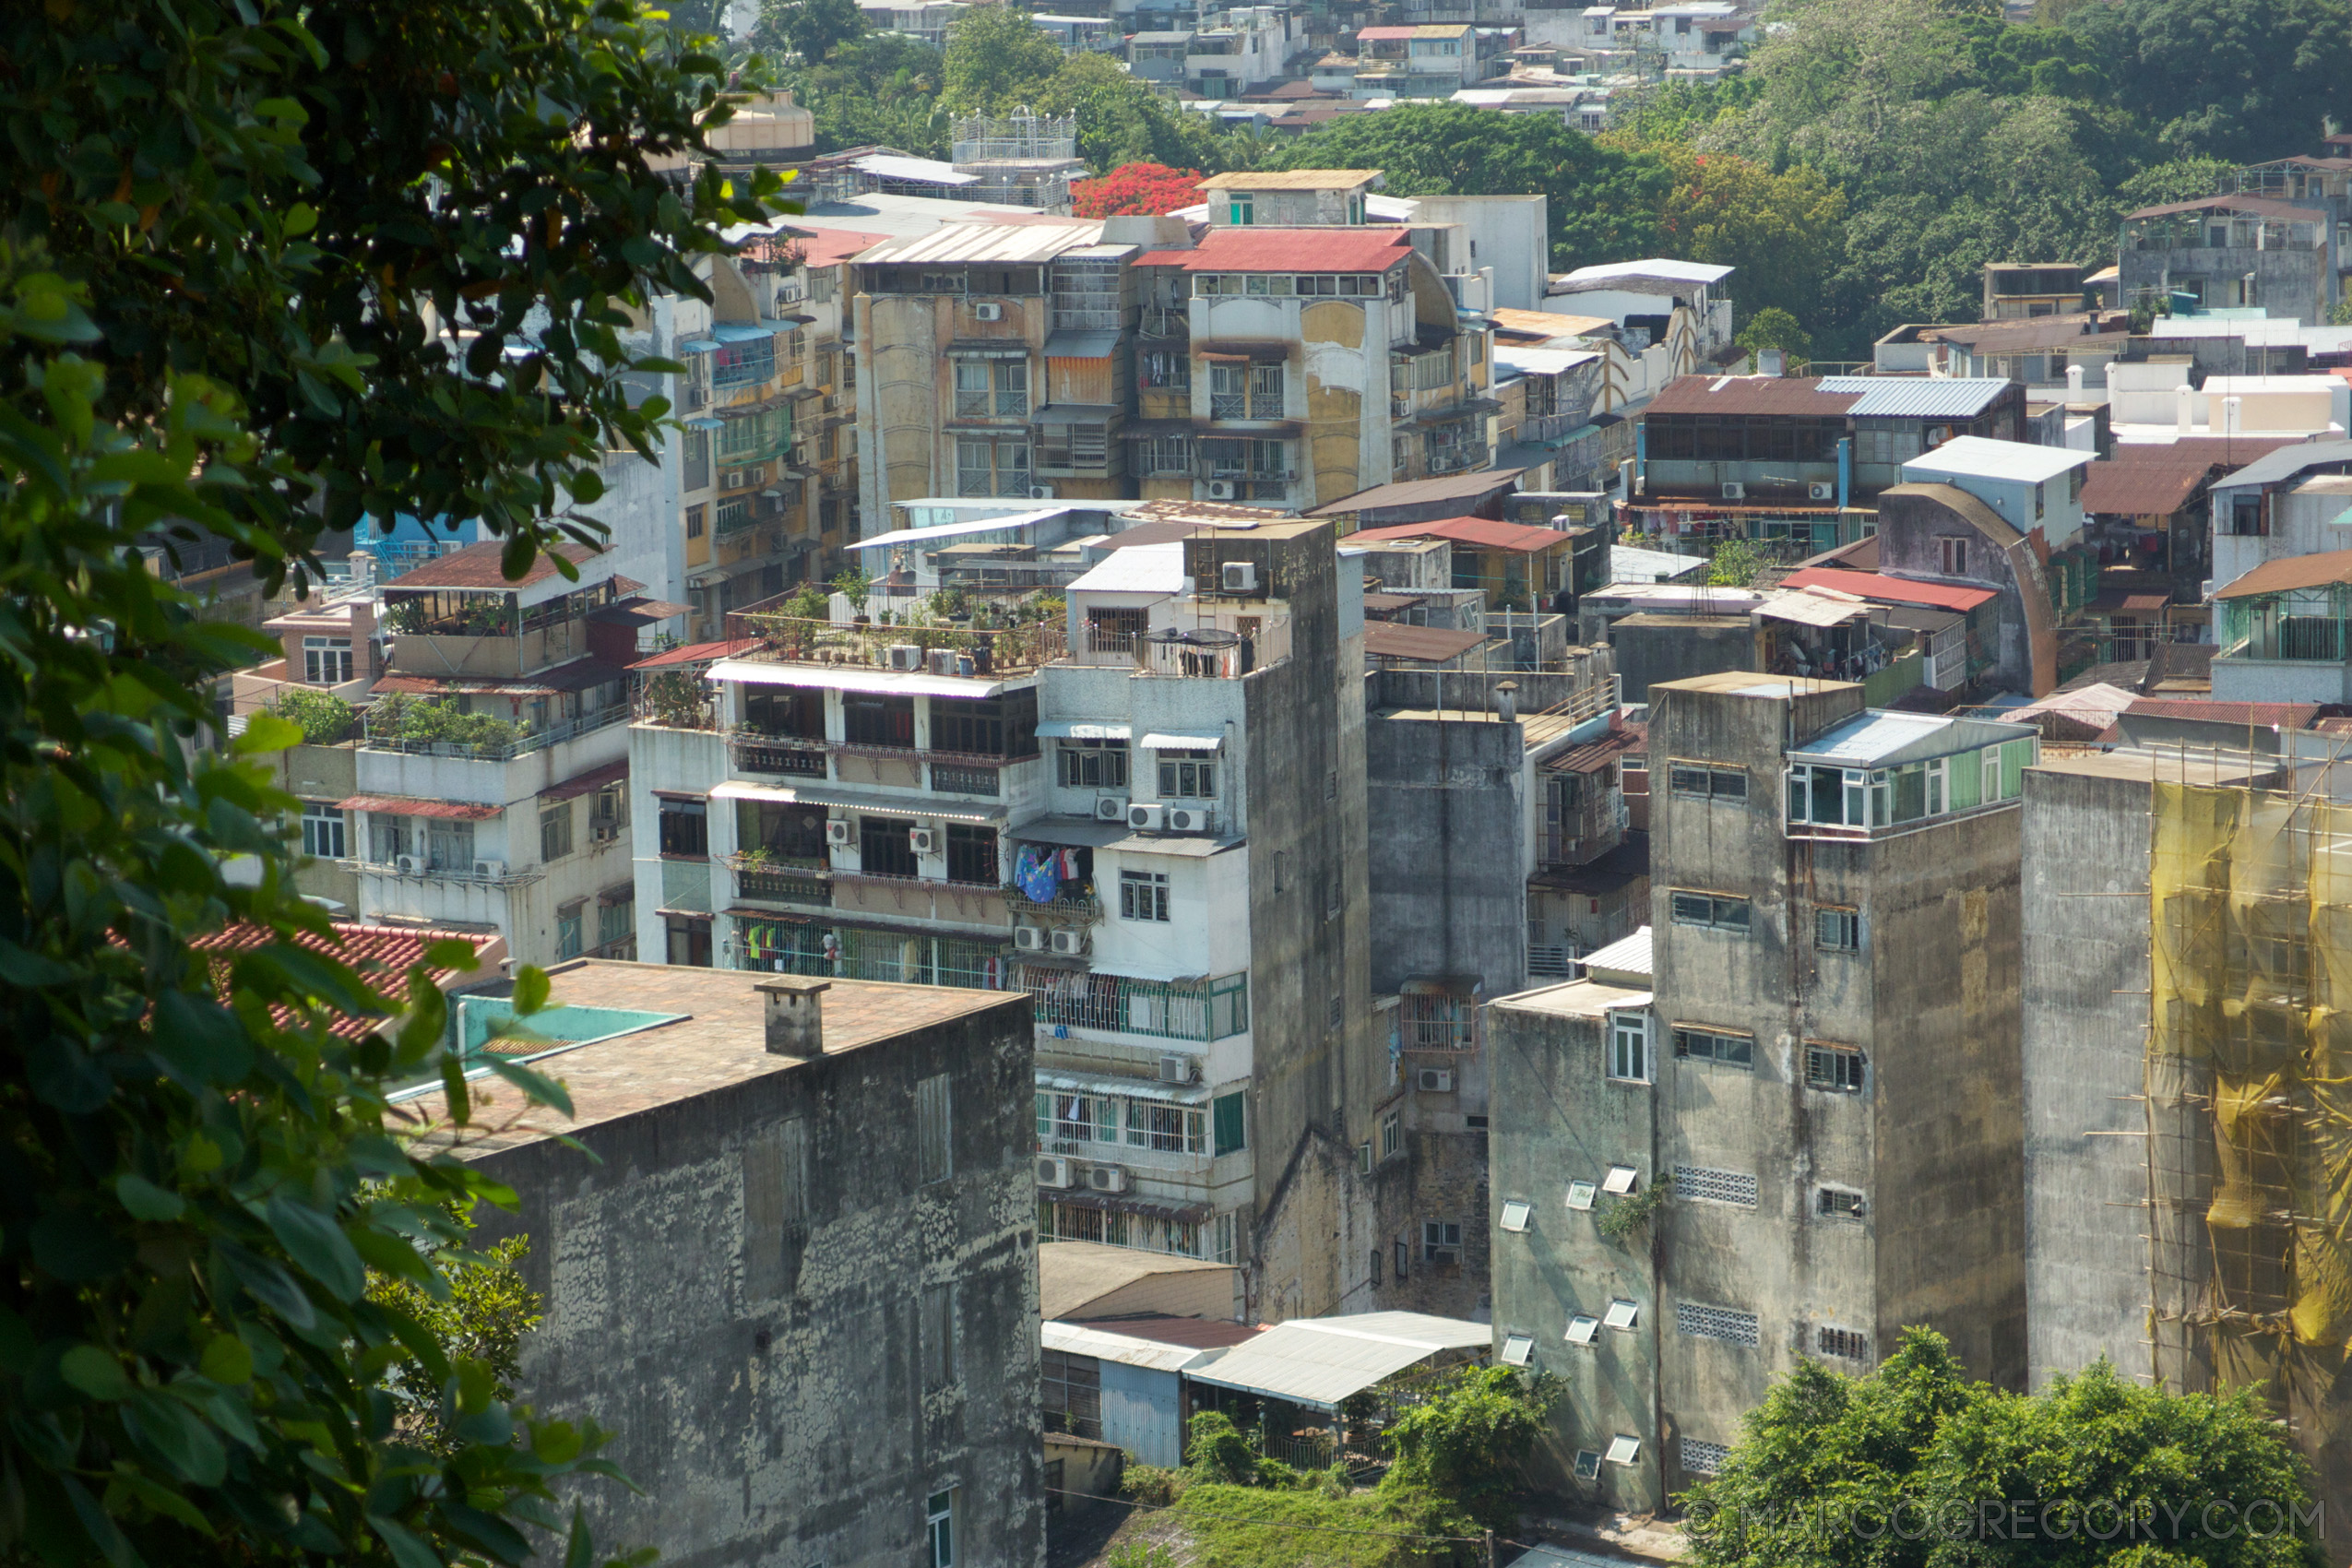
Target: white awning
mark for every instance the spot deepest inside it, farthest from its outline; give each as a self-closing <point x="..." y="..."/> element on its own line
<point x="1184" y="740"/>
<point x="1319" y="1361"/>
<point x="851" y="799"/>
<point x="890" y="682"/>
<point x="1134" y="1089"/>
<point x="1083" y="729"/>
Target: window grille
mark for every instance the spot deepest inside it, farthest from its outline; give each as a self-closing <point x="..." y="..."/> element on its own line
<point x="1828" y="1067"/>
<point x="1710" y="910"/>
<point x="1846" y="1344"/>
<point x="1695" y="1184"/>
<point x="934" y="1133"/>
<point x="1714" y="1045"/>
<point x="1731" y="1326"/>
<point x="1838" y="931"/>
<point x="1702" y="1458"/>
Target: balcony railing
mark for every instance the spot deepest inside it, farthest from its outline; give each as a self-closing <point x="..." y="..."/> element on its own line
<point x="1068" y="905"/>
<point x="1120" y="1004"/>
<point x="1208" y="653"/>
<point x="782" y="754"/>
<point x="494" y="751"/>
<point x="1016" y="650"/>
<point x="772" y="885"/>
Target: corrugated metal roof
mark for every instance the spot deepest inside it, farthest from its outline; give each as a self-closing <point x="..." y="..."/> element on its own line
<point x="2285" y="463"/>
<point x="995" y="243"/>
<point x="2292" y="572"/>
<point x="1139" y="568"/>
<point x="2141" y="489"/>
<point x="1895" y="590"/>
<point x="1801" y="395"/>
<point x="1878" y="737"/>
<point x="1422" y="645"/>
<point x="1679" y="271"/>
<point x="1630" y="563"/>
<point x="1486" y="533"/>
<point x="1901" y="397"/>
<point x="2261" y="206"/>
<point x="1815" y="606"/>
<point x="855" y="800"/>
<point x="1978" y="457"/>
<point x="1319" y="1361"/>
<point x="1076" y="1339"/>
<point x="1421" y="491"/>
<point x="1288" y="250"/>
<point x="1293" y="179"/>
<point x="1542" y="361"/>
<point x="851" y="679"/>
<point x="956" y="531"/>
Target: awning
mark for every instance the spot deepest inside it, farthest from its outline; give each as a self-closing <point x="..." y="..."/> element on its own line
<point x="1083" y="729"/>
<point x="1229" y="352"/>
<point x="595" y="778"/>
<point x="1070" y="834"/>
<point x="1320" y="1362"/>
<point x="986" y="349"/>
<point x="698" y="346"/>
<point x="889" y="683"/>
<point x="704" y="421"/>
<point x="1134" y="1089"/>
<point x="1080" y="345"/>
<point x="1184" y="740"/>
<point x="735" y="332"/>
<point x="1078" y="413"/>
<point x="854" y="800"/>
<point x="411" y="805"/>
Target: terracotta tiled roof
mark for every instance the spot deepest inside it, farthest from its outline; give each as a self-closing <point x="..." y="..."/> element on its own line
<point x="382" y="954"/>
<point x="1288" y="250"/>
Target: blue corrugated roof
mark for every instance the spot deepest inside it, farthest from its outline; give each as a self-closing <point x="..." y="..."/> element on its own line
<point x="1899" y="396"/>
<point x="734" y="332"/>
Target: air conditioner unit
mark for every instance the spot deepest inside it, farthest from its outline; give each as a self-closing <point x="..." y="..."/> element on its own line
<point x="905" y="656"/>
<point x="923" y="841"/>
<point x="1175" y="1068"/>
<point x="1434" y="1080"/>
<point x="1029" y="938"/>
<point x="603" y="833"/>
<point x="1821" y="491"/>
<point x="1148" y="818"/>
<point x="1107" y="1178"/>
<point x="942" y="661"/>
<point x="836" y="831"/>
<point x="1240" y="577"/>
<point x="1110" y="808"/>
<point x="1053" y="1171"/>
<point x="1734" y="491"/>
<point x="1041" y="493"/>
<point x="490" y="868"/>
<point x="409" y="865"/>
<point x="1188" y="819"/>
<point x="1221" y="490"/>
<point x="1069" y="942"/>
<point x="987" y="312"/>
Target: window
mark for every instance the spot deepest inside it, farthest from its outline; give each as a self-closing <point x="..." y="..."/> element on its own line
<point x="1834" y="1067"/>
<point x="326" y="661"/>
<point x="1143" y="896"/>
<point x="685" y="827"/>
<point x="878" y="721"/>
<point x="688" y="941"/>
<point x="971" y="388"/>
<point x="697" y="474"/>
<point x="1696" y="781"/>
<point x="1838" y="931"/>
<point x="1403" y="1254"/>
<point x="1072" y="1390"/>
<point x="615" y="921"/>
<point x="1951" y="556"/>
<point x="1714" y="1045"/>
<point x="971" y="855"/>
<point x="1266" y="392"/>
<point x="1622" y="1315"/>
<point x="991" y="467"/>
<point x="939" y="1528"/>
<point x="1093" y="765"/>
<point x="1241" y="208"/>
<point x="609" y="810"/>
<point x="1620" y="1180"/>
<point x="734" y="515"/>
<point x="1391" y="1140"/>
<point x="883" y="848"/>
<point x="1580" y="1194"/>
<point x="1441" y="1241"/>
<point x="1012" y="377"/>
<point x="1837" y="1203"/>
<point x="556" y="831"/>
<point x="1515" y="1214"/>
<point x="935" y="1134"/>
<point x="570" y="930"/>
<point x="1583" y="1329"/>
<point x="1712" y="910"/>
<point x="938" y="1334"/>
<point x="1847" y="1344"/>
<point x="1228" y="391"/>
<point x="1624" y="1450"/>
<point x="995" y="727"/>
<point x="1335" y="1011"/>
<point x="1164" y="453"/>
<point x="323" y="831"/>
<point x="1628" y="1046"/>
<point x="1167" y="1129"/>
<point x="1731" y="1326"/>
<point x="1228" y="1115"/>
<point x="1697" y="1183"/>
<point x="1518" y="1350"/>
<point x="1588" y="1460"/>
<point x="1702" y="1458"/>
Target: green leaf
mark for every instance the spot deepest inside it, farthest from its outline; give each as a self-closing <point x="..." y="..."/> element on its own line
<point x="452" y="953"/>
<point x="94" y="1372"/>
<point x="146" y="1200"/>
<point x="171" y="1433"/>
<point x="315" y="1242"/>
<point x="541" y="1088"/>
<point x="227" y="1360"/>
<point x="265" y="732"/>
<point x="531" y="987"/>
<point x="407" y="1551"/>
<point x="453" y="1087"/>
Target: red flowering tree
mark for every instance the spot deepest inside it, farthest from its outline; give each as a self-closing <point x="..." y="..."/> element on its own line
<point x="1136" y="190"/>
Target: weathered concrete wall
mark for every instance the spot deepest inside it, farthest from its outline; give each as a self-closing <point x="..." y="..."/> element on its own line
<point x="2085" y="928"/>
<point x="1448" y="894"/>
<point x="1655" y="648"/>
<point x="759" y="1348"/>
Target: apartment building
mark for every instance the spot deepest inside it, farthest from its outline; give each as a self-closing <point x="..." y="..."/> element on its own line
<point x="1824" y="1031"/>
<point x="1143" y="818"/>
<point x="490" y="776"/>
<point x="1238" y="52"/>
<point x="2283" y="503"/>
<point x="2235" y="252"/>
<point x="1432" y="61"/>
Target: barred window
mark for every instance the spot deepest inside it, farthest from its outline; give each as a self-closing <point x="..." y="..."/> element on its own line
<point x="1702" y="1458"/>
<point x="1698" y="781"/>
<point x="1094" y="765"/>
<point x="1714" y="1045"/>
<point x="1838" y="1203"/>
<point x="1712" y="910"/>
<point x="1695" y="1184"/>
<point x="1838" y="931"/>
<point x="1846" y="1344"/>
<point x="1726" y="1323"/>
<point x="1830" y="1067"/>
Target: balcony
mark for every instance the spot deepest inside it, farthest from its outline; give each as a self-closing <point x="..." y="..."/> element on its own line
<point x="770" y="881"/>
<point x="788" y="755"/>
<point x="1208" y="653"/>
<point x="1068" y="906"/>
<point x="919" y="898"/>
<point x="1016" y="650"/>
<point x="1197" y="1011"/>
<point x="402" y="728"/>
<point x="685" y="887"/>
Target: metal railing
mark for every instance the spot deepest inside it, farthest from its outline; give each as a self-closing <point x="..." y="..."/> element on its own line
<point x="1550" y="961"/>
<point x="1120" y="1004"/>
<point x="774" y="886"/>
<point x="1016" y="650"/>
<point x="485" y="751"/>
<point x="791" y="756"/>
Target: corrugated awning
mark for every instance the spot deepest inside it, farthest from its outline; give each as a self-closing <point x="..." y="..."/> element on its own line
<point x="736" y="332"/>
<point x="698" y="346"/>
<point x="984" y="348"/>
<point x="1134" y="1089"/>
<point x="1074" y="835"/>
<point x="1184" y="740"/>
<point x="595" y="778"/>
<point x="1080" y="345"/>
<point x="855" y="800"/>
<point x="1083" y="729"/>
<point x="411" y="805"/>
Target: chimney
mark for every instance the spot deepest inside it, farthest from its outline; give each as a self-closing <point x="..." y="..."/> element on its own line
<point x="795" y="1014"/>
<point x="1506" y="701"/>
<point x="2073" y="384"/>
<point x="1772" y="362"/>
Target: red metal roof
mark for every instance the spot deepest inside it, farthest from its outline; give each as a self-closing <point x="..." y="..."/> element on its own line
<point x="2141" y="489"/>
<point x="1288" y="250"/>
<point x="476" y="567"/>
<point x="830" y="247"/>
<point x="1750" y="395"/>
<point x="415" y="805"/>
<point x="697" y="653"/>
<point x="1890" y="590"/>
<point x="1525" y="538"/>
<point x="593" y="780"/>
<point x="2261" y="715"/>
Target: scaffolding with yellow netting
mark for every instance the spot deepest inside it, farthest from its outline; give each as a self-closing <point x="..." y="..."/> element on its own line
<point x="2248" y="1098"/>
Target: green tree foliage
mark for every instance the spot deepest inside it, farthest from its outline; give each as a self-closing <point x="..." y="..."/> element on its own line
<point x="481" y="1310"/>
<point x="996" y="60"/>
<point x="881" y="90"/>
<point x="1466" y="1445"/>
<point x="322" y="716"/>
<point x="235" y="256"/>
<point x="1894" y="1470"/>
<point x="1121" y="121"/>
<point x="812" y="30"/>
<point x="1784" y="232"/>
<point x="2215" y="79"/>
<point x="1603" y="201"/>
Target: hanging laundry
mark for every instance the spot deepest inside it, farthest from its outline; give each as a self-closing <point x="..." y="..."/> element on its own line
<point x="1036" y="874"/>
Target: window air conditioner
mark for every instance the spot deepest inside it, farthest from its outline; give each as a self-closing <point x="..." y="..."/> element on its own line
<point x="942" y="661"/>
<point x="1107" y="1178"/>
<point x="1188" y="819"/>
<point x="1110" y="808"/>
<point x="1240" y="577"/>
<point x="1175" y="1068"/>
<point x="1435" y="1080"/>
<point x="923" y="841"/>
<point x="409" y="865"/>
<point x="905" y="656"/>
<point x="1068" y="942"/>
<point x="1734" y="491"/>
<point x="836" y="831"/>
<point x="987" y="312"/>
<point x="1029" y="938"/>
<point x="604" y="831"/>
<point x="1041" y="493"/>
<point x="1822" y="491"/>
<point x="1221" y="490"/>
<point x="492" y="869"/>
<point x="1148" y="818"/>
<point x="1052" y="1170"/>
